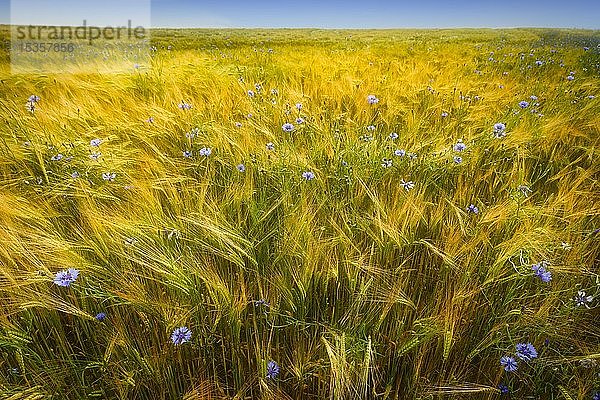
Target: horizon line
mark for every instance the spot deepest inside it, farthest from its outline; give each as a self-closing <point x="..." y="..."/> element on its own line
<point x="345" y="27"/>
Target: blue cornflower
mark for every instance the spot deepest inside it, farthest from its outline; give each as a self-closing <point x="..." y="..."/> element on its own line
<point x="100" y="316"/>
<point x="539" y="63"/>
<point x="187" y="153"/>
<point x="299" y="106"/>
<point x="251" y="93"/>
<point x="526" y="351"/>
<point x="272" y="369"/>
<point x="33" y="98"/>
<point x="393" y="136"/>
<point x="57" y="157"/>
<point x="65" y="278"/>
<point x="270" y="146"/>
<point x="308" y="175"/>
<point x="95" y="142"/>
<point x="205" y="151"/>
<point x="460" y="146"/>
<point x="473" y="208"/>
<point x="261" y="302"/>
<point x="241" y="168"/>
<point x="181" y="335"/>
<point x="74" y="174"/>
<point x="596" y="396"/>
<point x="184" y="106"/>
<point x="299" y="120"/>
<point x="109" y="176"/>
<point x="582" y="299"/>
<point x="509" y="363"/>
<point x="238" y="124"/>
<point x="444" y="114"/>
<point x="95" y="155"/>
<point x="400" y="153"/>
<point x="570" y="77"/>
<point x="523" y="104"/>
<point x="499" y="130"/>
<point x="503" y="388"/>
<point x="407" y="185"/>
<point x="372" y="99"/>
<point x="541" y="272"/>
<point x="287" y="127"/>
<point x="457" y="160"/>
<point x="371" y="128"/>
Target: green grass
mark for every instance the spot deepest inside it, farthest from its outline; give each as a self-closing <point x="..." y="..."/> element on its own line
<point x="373" y="291"/>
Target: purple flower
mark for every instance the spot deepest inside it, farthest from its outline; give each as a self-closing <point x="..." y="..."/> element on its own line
<point x="65" y="278"/>
<point x="251" y="93"/>
<point x="581" y="299"/>
<point x="299" y="106"/>
<point x="596" y="396"/>
<point x="205" y="151"/>
<point x="109" y="176"/>
<point x="541" y="272"/>
<point x="95" y="155"/>
<point x="261" y="302"/>
<point x="100" y="316"/>
<point x="184" y="106"/>
<point x="457" y="160"/>
<point x="473" y="209"/>
<point x="299" y="120"/>
<point x="570" y="77"/>
<point x="181" y="335"/>
<point x="287" y="127"/>
<point x="503" y="388"/>
<point x="74" y="174"/>
<point x="33" y="98"/>
<point x="57" y="157"/>
<point x="371" y="128"/>
<point x="509" y="363"/>
<point x="499" y="130"/>
<point x="444" y="114"/>
<point x="460" y="146"/>
<point x="241" y="168"/>
<point x="187" y="153"/>
<point x="238" y="124"/>
<point x="400" y="153"/>
<point x="526" y="351"/>
<point x="272" y="369"/>
<point x="372" y="99"/>
<point x="95" y="142"/>
<point x="523" y="104"/>
<point x="393" y="136"/>
<point x="270" y="146"/>
<point x="308" y="175"/>
<point x="407" y="185"/>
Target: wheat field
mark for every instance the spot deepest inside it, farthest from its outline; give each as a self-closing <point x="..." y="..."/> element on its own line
<point x="306" y="214"/>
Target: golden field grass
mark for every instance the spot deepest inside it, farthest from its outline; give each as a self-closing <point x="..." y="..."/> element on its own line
<point x="355" y="285"/>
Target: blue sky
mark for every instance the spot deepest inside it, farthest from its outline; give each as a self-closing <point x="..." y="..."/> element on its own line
<point x="332" y="14"/>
